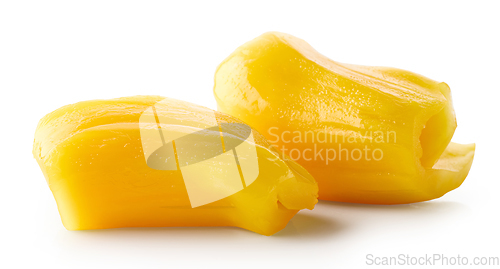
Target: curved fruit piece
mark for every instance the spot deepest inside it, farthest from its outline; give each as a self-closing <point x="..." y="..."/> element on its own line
<point x="367" y="134"/>
<point x="93" y="155"/>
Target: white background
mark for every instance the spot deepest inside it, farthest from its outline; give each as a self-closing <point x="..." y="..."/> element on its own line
<point x="53" y="53"/>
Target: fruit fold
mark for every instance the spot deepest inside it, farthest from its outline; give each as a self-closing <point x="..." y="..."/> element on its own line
<point x="373" y="135"/>
<point x="149" y="161"/>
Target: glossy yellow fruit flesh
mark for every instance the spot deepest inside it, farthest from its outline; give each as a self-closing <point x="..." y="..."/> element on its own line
<point x="372" y="135"/>
<point x="93" y="160"/>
